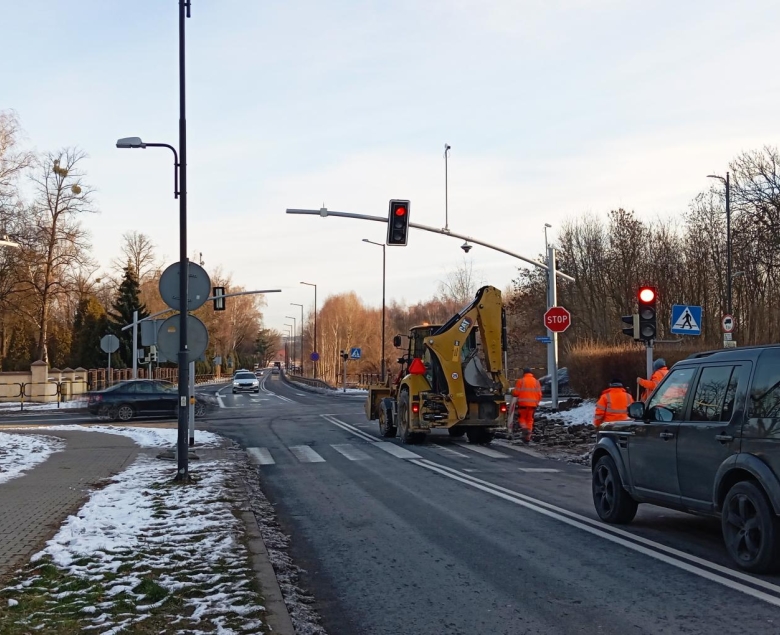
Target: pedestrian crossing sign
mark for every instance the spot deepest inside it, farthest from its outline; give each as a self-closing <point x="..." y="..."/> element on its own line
<point x="686" y="319"/>
<point x="355" y="353"/>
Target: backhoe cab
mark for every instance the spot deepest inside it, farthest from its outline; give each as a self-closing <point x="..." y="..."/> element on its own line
<point x="452" y="376"/>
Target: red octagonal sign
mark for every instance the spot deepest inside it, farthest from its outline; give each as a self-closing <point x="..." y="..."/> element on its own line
<point x="557" y="319"/>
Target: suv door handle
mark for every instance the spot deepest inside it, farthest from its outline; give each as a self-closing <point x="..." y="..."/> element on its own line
<point x="666" y="435"/>
<point x="723" y="438"/>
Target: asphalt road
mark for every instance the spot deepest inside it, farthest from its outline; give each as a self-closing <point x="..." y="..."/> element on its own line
<point x="448" y="538"/>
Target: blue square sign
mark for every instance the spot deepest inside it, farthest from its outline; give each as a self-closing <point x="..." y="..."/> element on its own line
<point x="686" y="319"/>
<point x="354" y="353"/>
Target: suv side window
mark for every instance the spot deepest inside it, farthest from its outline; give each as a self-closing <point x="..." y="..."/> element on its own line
<point x="765" y="392"/>
<point x="714" y="397"/>
<point x="668" y="401"/>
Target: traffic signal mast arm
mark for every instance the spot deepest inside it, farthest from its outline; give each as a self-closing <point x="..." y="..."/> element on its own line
<point x="324" y="212"/>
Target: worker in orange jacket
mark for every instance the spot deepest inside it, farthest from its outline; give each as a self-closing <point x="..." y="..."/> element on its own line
<point x="649" y="385"/>
<point x="528" y="393"/>
<point x="613" y="404"/>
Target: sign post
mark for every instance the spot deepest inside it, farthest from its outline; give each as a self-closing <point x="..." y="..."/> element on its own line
<point x="728" y="324"/>
<point x="109" y="344"/>
<point x="557" y="319"/>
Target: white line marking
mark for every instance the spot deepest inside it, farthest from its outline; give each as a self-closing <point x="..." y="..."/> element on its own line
<point x="444" y="448"/>
<point x="481" y="449"/>
<point x="537" y="469"/>
<point x="616" y="535"/>
<point x="519" y="448"/>
<point x="305" y="454"/>
<point x="349" y="428"/>
<point x="396" y="450"/>
<point x="219" y="401"/>
<point x="351" y="452"/>
<point x="261" y="456"/>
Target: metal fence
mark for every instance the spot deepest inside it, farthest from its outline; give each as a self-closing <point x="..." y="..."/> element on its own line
<point x="98" y="378"/>
<point x="47" y="392"/>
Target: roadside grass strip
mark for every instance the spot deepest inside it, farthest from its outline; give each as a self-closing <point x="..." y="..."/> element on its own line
<point x="143" y="555"/>
<point x="22" y="452"/>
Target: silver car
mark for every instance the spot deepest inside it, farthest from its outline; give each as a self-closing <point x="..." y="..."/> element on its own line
<point x="245" y="381"/>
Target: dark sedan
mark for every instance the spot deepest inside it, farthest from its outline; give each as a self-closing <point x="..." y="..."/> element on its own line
<point x="139" y="397"/>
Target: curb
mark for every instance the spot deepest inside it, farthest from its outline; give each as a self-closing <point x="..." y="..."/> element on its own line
<point x="277" y="616"/>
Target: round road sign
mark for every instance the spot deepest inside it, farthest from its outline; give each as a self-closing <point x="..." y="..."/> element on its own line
<point x="198" y="287"/>
<point x="197" y="338"/>
<point x="557" y="319"/>
<point x="728" y="323"/>
<point x="315" y="356"/>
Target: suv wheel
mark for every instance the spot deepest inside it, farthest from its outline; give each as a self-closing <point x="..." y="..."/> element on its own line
<point x="613" y="503"/>
<point x="750" y="528"/>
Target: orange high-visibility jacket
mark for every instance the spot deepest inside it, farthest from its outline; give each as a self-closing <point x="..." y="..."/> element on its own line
<point x="612" y="405"/>
<point x="650" y="384"/>
<point x="528" y="391"/>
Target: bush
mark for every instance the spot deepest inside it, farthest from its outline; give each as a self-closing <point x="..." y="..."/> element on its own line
<point x="592" y="366"/>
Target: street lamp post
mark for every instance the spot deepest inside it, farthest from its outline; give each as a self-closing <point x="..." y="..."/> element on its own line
<point x="295" y="330"/>
<point x="300" y="305"/>
<point x="384" y="279"/>
<point x="287" y="346"/>
<point x="727" y="183"/>
<point x="314" y="364"/>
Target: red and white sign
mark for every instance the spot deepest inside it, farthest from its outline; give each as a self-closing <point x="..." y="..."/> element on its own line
<point x="557" y="319"/>
<point x="727" y="323"/>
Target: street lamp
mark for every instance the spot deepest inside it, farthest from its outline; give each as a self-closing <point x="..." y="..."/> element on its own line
<point x="287" y="345"/>
<point x="726" y="182"/>
<point x="295" y="330"/>
<point x="135" y="142"/>
<point x="314" y="364"/>
<point x="384" y="277"/>
<point x="300" y="305"/>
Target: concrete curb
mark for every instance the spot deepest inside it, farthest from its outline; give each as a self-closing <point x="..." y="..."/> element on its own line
<point x="277" y="616"/>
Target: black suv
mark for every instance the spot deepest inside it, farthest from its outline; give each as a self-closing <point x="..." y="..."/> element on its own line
<point x="707" y="442"/>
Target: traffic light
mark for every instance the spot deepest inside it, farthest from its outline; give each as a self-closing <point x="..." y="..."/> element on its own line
<point x="633" y="330"/>
<point x="398" y="222"/>
<point x="219" y="300"/>
<point x="648" y="327"/>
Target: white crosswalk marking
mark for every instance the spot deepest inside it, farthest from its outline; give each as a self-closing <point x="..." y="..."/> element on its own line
<point x="443" y="448"/>
<point x="494" y="454"/>
<point x="396" y="450"/>
<point x="351" y="452"/>
<point x="261" y="456"/>
<point x="539" y="469"/>
<point x="305" y="454"/>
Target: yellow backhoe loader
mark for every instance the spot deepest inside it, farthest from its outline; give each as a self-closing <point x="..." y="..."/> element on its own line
<point x="449" y="377"/>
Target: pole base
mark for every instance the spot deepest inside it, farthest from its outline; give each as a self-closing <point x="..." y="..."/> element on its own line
<point x="170" y="455"/>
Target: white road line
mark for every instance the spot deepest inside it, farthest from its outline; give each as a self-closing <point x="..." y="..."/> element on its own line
<point x="349" y="428"/>
<point x="285" y="399"/>
<point x="396" y="450"/>
<point x="444" y="448"/>
<point x="624" y="538"/>
<point x="537" y="469"/>
<point x="518" y="448"/>
<point x="219" y="401"/>
<point x="351" y="452"/>
<point x="493" y="454"/>
<point x="305" y="454"/>
<point x="261" y="456"/>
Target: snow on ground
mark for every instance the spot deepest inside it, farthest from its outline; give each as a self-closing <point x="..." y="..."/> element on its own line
<point x="144" y="437"/>
<point x="582" y="414"/>
<point x="326" y="391"/>
<point x="16" y="405"/>
<point x="22" y="452"/>
<point x="144" y="547"/>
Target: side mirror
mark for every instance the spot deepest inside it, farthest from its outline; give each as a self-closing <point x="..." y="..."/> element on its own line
<point x="397" y="341"/>
<point x="637" y="411"/>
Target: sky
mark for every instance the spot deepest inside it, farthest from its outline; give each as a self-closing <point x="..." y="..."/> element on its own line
<point x="553" y="109"/>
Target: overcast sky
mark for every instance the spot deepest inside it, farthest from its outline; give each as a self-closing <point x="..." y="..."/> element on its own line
<point x="553" y="108"/>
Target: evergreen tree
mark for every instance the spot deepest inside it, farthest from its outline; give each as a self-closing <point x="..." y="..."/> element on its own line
<point x="128" y="299"/>
<point x="90" y="324"/>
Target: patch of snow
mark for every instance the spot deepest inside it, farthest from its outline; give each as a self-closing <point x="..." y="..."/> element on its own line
<point x="22" y="452"/>
<point x="144" y="437"/>
<point x="28" y="405"/>
<point x="12" y="602"/>
<point x="579" y="415"/>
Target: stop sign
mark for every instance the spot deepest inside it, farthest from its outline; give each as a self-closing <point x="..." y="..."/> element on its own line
<point x="557" y="319"/>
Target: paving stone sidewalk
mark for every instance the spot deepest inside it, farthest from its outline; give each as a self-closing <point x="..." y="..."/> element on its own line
<point x="33" y="506"/>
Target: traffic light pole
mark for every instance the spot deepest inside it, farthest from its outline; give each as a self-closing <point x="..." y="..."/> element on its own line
<point x="552" y="347"/>
<point x="649" y="359"/>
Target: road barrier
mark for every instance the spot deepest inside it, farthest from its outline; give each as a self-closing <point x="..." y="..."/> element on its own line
<point x="48" y="392"/>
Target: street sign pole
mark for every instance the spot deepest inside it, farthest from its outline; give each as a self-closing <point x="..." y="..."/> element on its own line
<point x="135" y="344"/>
<point x="191" y="413"/>
<point x="649" y="359"/>
<point x="552" y="349"/>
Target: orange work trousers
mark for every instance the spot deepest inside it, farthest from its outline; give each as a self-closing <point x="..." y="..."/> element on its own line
<point x="525" y="417"/>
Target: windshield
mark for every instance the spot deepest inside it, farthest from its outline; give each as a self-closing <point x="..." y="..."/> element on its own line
<point x="244" y="376"/>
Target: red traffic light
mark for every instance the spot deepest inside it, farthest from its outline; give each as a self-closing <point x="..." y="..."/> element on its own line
<point x="646" y="294"/>
<point x="400" y="211"/>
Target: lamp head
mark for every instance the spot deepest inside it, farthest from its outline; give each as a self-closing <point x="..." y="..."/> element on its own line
<point x="130" y="142"/>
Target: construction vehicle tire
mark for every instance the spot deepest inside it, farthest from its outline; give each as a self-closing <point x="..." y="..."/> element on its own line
<point x="386" y="427"/>
<point x="405" y="433"/>
<point x="479" y="436"/>
<point x="456" y="431"/>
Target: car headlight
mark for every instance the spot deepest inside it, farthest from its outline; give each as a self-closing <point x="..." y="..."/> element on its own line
<point x="235" y="383"/>
<point x="255" y="383"/>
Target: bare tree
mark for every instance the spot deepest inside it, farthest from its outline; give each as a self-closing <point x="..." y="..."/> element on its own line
<point x="12" y="163"/>
<point x="459" y="286"/>
<point x="54" y="242"/>
<point x="138" y="250"/>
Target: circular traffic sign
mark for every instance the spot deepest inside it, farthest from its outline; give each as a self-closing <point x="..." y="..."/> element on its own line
<point x="197" y="338"/>
<point x="109" y="343"/>
<point x="315" y="356"/>
<point x="728" y="323"/>
<point x="557" y="319"/>
<point x="198" y="287"/>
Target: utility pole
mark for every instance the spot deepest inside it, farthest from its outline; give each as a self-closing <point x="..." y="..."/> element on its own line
<point x="447" y="149"/>
<point x="552" y="348"/>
